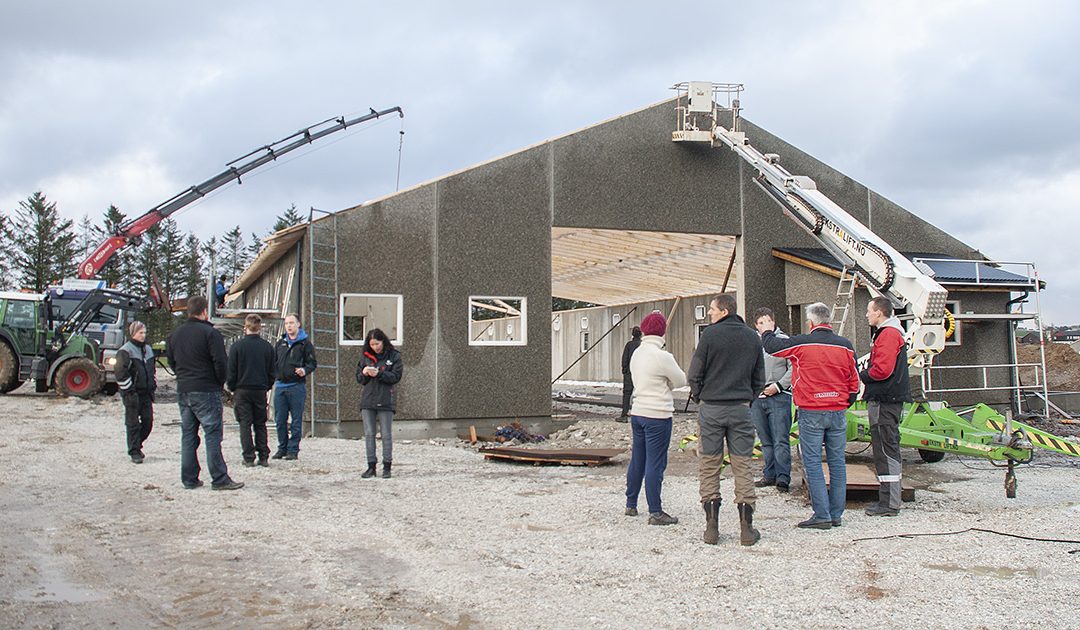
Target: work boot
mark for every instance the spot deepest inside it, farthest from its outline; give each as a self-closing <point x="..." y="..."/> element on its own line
<point x="877" y="509"/>
<point x="712" y="521"/>
<point x="263" y="462"/>
<point x="631" y="512"/>
<point x="386" y="470"/>
<point x="278" y="455"/>
<point x="764" y="483"/>
<point x="370" y="472"/>
<point x="249" y="462"/>
<point x="662" y="518"/>
<point x="747" y="534"/>
<point x="291" y="456"/>
<point x="783" y="486"/>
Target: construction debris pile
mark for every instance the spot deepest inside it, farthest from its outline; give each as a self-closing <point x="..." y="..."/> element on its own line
<point x="1062" y="366"/>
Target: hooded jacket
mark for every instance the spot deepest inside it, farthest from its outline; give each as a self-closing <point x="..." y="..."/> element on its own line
<point x="777" y="370"/>
<point x="728" y="367"/>
<point x="380" y="391"/>
<point x="655" y="374"/>
<point x="290" y="354"/>
<point x="823" y="373"/>
<point x="886" y="375"/>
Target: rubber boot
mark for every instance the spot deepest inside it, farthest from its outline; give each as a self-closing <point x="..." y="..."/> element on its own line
<point x="370" y="472"/>
<point x="385" y="470"/>
<point x="747" y="534"/>
<point x="712" y="521"/>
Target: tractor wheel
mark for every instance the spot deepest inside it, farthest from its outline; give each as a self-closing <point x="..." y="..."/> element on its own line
<point x="78" y="377"/>
<point x="9" y="369"/>
<point x="931" y="457"/>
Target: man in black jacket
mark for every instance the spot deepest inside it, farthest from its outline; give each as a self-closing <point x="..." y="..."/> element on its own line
<point x="627" y="382"/>
<point x="251" y="375"/>
<point x="725" y="376"/>
<point x="294" y="358"/>
<point x="196" y="353"/>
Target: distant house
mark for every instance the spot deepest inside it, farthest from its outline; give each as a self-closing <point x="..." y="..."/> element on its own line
<point x="1023" y="335"/>
<point x="1066" y="336"/>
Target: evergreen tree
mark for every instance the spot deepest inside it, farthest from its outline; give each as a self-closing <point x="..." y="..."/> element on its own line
<point x="253" y="249"/>
<point x="88" y="240"/>
<point x="7" y="254"/>
<point x="234" y="251"/>
<point x="147" y="261"/>
<point x="170" y="267"/>
<point x="45" y="245"/>
<point x="211" y="260"/>
<point x="192" y="280"/>
<point x="288" y="219"/>
<point x="118" y="269"/>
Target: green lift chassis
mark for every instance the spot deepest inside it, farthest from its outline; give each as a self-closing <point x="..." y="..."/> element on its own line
<point x="935" y="429"/>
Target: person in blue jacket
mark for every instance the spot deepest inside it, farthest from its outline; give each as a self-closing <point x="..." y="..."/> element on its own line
<point x="379" y="371"/>
<point x="294" y="360"/>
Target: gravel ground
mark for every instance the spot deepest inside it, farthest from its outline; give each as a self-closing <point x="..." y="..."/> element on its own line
<point x="454" y="541"/>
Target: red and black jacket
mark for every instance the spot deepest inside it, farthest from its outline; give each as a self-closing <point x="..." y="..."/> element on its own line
<point x="886" y="375"/>
<point x="380" y="392"/>
<point x="823" y="372"/>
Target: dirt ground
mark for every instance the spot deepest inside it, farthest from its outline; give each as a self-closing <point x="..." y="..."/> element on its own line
<point x="454" y="541"/>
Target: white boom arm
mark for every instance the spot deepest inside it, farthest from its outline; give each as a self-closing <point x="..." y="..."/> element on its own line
<point x="884" y="270"/>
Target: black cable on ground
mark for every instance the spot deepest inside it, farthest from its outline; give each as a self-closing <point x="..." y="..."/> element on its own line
<point x="974" y="529"/>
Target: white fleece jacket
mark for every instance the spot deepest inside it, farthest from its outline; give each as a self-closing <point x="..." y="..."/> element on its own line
<point x="655" y="374"/>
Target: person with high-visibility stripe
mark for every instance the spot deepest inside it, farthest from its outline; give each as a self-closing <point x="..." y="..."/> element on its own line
<point x="887" y="388"/>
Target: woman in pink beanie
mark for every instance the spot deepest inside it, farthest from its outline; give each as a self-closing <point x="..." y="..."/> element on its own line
<point x="655" y="374"/>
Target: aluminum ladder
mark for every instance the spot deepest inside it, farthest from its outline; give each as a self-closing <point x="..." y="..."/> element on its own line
<point x="845" y="293"/>
<point x="323" y="316"/>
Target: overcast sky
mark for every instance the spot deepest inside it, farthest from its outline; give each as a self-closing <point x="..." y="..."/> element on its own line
<point x="966" y="112"/>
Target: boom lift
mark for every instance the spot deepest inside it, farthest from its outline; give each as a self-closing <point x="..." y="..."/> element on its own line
<point x="932" y="428"/>
<point x="128" y="233"/>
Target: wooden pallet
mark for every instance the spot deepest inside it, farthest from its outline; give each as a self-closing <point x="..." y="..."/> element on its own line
<point x="863" y="478"/>
<point x="562" y="457"/>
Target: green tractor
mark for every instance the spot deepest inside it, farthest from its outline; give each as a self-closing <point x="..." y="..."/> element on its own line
<point x="59" y="355"/>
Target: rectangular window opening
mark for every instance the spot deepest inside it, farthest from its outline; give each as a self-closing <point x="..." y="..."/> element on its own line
<point x="953" y="339"/>
<point x="498" y="320"/>
<point x="363" y="312"/>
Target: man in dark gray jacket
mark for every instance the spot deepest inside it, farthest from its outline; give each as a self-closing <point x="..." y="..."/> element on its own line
<point x="627" y="381"/>
<point x="771" y="411"/>
<point x="196" y="353"/>
<point x="726" y="374"/>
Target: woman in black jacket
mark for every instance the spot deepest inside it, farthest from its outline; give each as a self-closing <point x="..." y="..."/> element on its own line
<point x="135" y="376"/>
<point x="379" y="371"/>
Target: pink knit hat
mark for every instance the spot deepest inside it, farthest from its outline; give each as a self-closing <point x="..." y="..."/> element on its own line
<point x="654" y="324"/>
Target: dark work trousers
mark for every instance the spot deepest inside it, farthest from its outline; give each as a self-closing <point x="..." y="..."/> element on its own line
<point x="249" y="406"/>
<point x="885" y="440"/>
<point x="627" y="393"/>
<point x="139" y="420"/>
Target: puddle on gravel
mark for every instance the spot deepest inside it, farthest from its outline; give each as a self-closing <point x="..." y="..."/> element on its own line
<point x="54" y="588"/>
<point x="1003" y="573"/>
<point x="529" y="527"/>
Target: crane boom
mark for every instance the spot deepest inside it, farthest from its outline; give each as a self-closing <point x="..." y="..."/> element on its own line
<point x="129" y="231"/>
<point x="883" y="269"/>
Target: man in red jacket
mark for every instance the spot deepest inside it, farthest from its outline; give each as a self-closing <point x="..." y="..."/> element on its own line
<point x="887" y="389"/>
<point x="824" y="382"/>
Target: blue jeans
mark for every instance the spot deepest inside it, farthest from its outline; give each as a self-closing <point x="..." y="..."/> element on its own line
<point x="772" y="421"/>
<point x="648" y="460"/>
<point x="201" y="409"/>
<point x="289" y="400"/>
<point x="830" y="427"/>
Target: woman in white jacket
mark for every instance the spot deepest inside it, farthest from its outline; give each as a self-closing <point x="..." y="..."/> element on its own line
<point x="655" y="374"/>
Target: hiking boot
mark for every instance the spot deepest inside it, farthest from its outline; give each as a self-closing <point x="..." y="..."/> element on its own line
<point x="782" y="486"/>
<point x="249" y="463"/>
<point x="370" y="472"/>
<point x="662" y="518"/>
<point x="278" y="455"/>
<point x="386" y="470"/>
<point x="764" y="483"/>
<point x="712" y="521"/>
<point x="263" y="462"/>
<point x="137" y="459"/>
<point x="192" y="486"/>
<point x="622" y="419"/>
<point x="631" y="512"/>
<point x="291" y="456"/>
<point x="231" y="485"/>
<point x="810" y="523"/>
<point x="876" y="509"/>
<point x="747" y="534"/>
